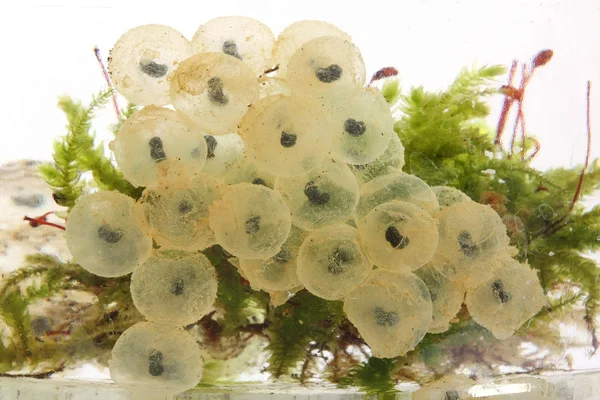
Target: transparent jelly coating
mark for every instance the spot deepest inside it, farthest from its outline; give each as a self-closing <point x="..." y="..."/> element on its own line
<point x="106" y="234"/>
<point x="446" y="295"/>
<point x="332" y="262"/>
<point x="142" y="60"/>
<point x="526" y="387"/>
<point x="277" y="273"/>
<point x="157" y="145"/>
<point x="280" y="297"/>
<point x="448" y="196"/>
<point x="452" y="387"/>
<point x="214" y="90"/>
<point x="250" y="221"/>
<point x="363" y="128"/>
<point x="298" y="33"/>
<point x="395" y="185"/>
<point x="246" y="170"/>
<point x="175" y="290"/>
<point x="393" y="157"/>
<point x="244" y="38"/>
<point x="392" y="312"/>
<point x="507" y="299"/>
<point x="399" y="236"/>
<point x="154" y="359"/>
<point x="273" y="85"/>
<point x="327" y="69"/>
<point x="326" y="195"/>
<point x="284" y="135"/>
<point x="178" y="215"/>
<point x="223" y="152"/>
<point x="472" y="235"/>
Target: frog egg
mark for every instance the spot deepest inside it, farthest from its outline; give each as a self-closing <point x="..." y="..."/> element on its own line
<point x="143" y="58"/>
<point x="178" y="216"/>
<point x="328" y="69"/>
<point x="332" y="262"/>
<point x="152" y="359"/>
<point x="244" y="38"/>
<point x="295" y="35"/>
<point x="250" y="221"/>
<point x="223" y="152"/>
<point x="106" y="235"/>
<point x="399" y="237"/>
<point x="393" y="157"/>
<point x="284" y="135"/>
<point x="448" y="196"/>
<point x="362" y="129"/>
<point x="472" y="235"/>
<point x="156" y="145"/>
<point x="507" y="299"/>
<point x="178" y="291"/>
<point x="246" y="170"/>
<point x="326" y="195"/>
<point x="454" y="387"/>
<point x="446" y="295"/>
<point x="214" y="90"/>
<point x="277" y="273"/>
<point x="395" y="185"/>
<point x="391" y="312"/>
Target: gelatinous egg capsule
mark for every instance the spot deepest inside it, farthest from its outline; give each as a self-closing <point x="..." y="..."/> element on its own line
<point x="246" y="170"/>
<point x="448" y="196"/>
<point x="472" y="235"/>
<point x="392" y="312"/>
<point x="214" y="90"/>
<point x="277" y="273"/>
<point x="244" y="38"/>
<point x="399" y="236"/>
<point x="392" y="157"/>
<point x="178" y="290"/>
<point x="143" y="58"/>
<point x="151" y="359"/>
<point x="332" y="262"/>
<point x="507" y="299"/>
<point x="178" y="216"/>
<point x="446" y="295"/>
<point x="395" y="185"/>
<point x="250" y="221"/>
<point x="158" y="145"/>
<point x="284" y="135"/>
<point x="295" y="35"/>
<point x="326" y="195"/>
<point x="362" y="129"/>
<point x="106" y="234"/>
<point x="223" y="152"/>
<point x="327" y="70"/>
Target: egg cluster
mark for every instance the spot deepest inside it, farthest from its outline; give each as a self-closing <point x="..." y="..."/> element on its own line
<point x="276" y="151"/>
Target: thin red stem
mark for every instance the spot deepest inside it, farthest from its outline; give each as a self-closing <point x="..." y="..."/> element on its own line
<point x="508" y="102"/>
<point x="589" y="148"/>
<point x="524" y="80"/>
<point x="535" y="150"/>
<point x="35" y="222"/>
<point x="108" y="81"/>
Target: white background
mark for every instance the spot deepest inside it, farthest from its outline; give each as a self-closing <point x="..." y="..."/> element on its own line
<point x="46" y="50"/>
